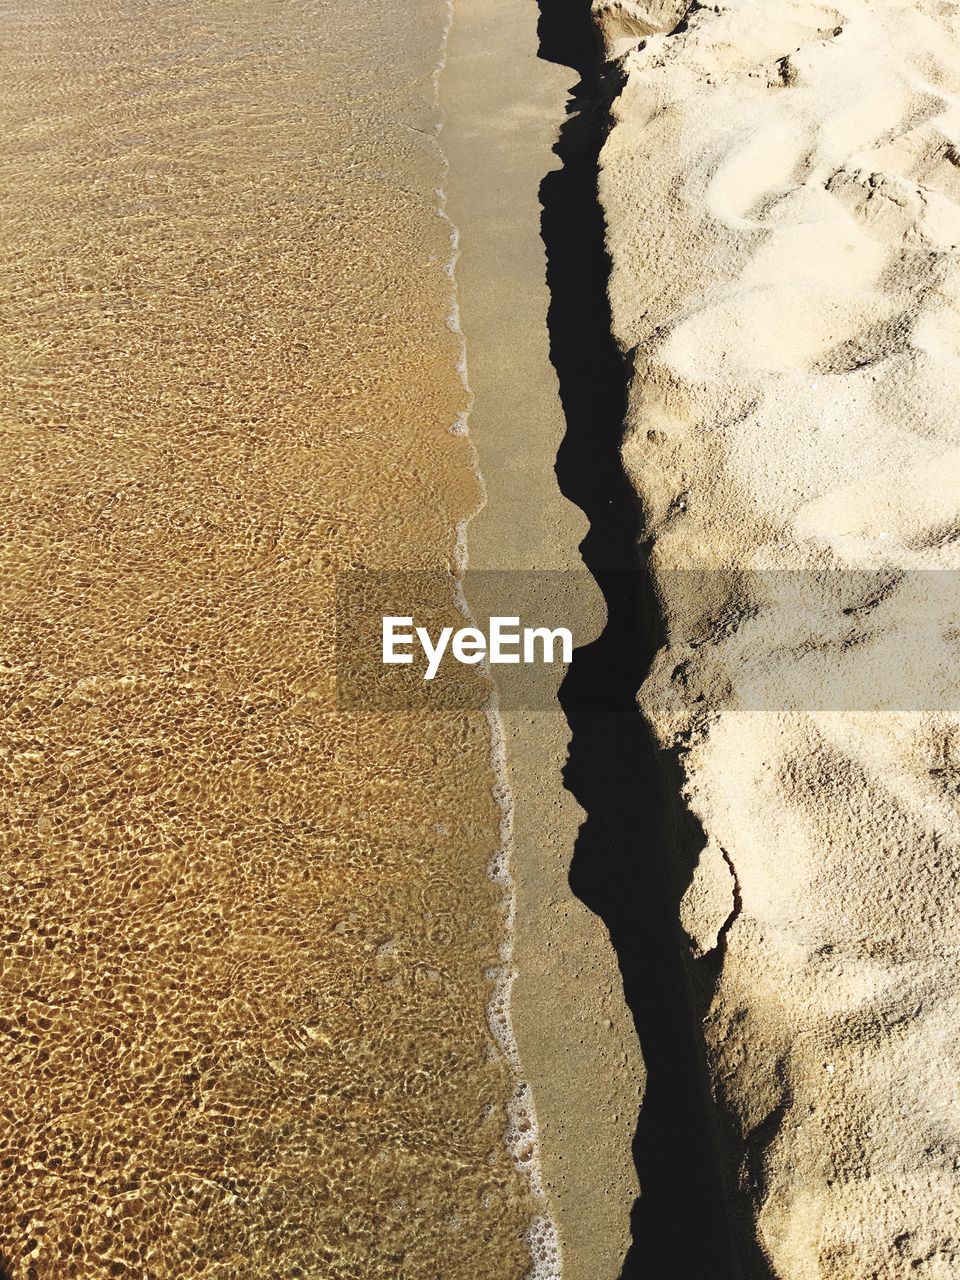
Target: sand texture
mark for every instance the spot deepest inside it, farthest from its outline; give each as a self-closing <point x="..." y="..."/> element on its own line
<point x="782" y="191"/>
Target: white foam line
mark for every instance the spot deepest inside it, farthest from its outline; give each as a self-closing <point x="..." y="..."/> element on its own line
<point x="522" y="1135"/>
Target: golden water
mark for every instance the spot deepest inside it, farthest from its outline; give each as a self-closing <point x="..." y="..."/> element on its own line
<point x="244" y="936"/>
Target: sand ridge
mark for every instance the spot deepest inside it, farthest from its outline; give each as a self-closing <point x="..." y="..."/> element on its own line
<point x="782" y="191"/>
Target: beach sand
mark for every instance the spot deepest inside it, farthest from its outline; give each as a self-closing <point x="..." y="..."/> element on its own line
<point x="503" y="107"/>
<point x="293" y="990"/>
<point x="782" y="194"/>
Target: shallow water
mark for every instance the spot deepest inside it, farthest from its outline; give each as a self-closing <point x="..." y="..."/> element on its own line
<point x="242" y="1003"/>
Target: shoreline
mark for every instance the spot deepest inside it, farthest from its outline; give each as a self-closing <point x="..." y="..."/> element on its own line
<point x="503" y="107"/>
<point x="521" y="1137"/>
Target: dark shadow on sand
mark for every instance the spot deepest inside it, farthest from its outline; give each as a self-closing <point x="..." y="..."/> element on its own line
<point x="637" y="846"/>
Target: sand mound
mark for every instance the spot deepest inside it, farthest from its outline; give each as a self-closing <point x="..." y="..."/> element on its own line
<point x="782" y="188"/>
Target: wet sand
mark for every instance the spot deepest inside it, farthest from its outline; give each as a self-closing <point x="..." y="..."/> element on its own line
<point x="504" y="104"/>
<point x="246" y="940"/>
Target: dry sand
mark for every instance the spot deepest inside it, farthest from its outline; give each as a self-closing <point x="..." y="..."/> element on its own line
<point x="782" y="191"/>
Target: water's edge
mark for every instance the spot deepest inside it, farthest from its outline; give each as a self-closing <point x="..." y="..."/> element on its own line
<point x="504" y="106"/>
<point x="522" y="1134"/>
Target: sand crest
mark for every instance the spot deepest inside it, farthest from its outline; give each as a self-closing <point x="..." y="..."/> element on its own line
<point x="782" y="191"/>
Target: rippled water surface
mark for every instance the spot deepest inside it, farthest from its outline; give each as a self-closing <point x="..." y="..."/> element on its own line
<point x="242" y="1002"/>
